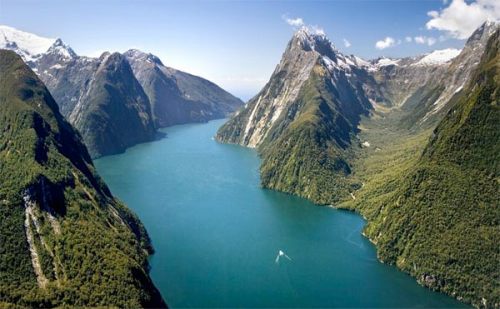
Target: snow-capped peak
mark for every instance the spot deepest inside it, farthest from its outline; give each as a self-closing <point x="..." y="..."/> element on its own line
<point x="62" y="49"/>
<point x="306" y="33"/>
<point x="438" y="57"/>
<point x="25" y="44"/>
<point x="311" y="38"/>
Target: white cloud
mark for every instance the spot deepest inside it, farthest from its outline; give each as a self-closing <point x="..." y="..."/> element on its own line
<point x="460" y="19"/>
<point x="347" y="43"/>
<point x="420" y="39"/>
<point x="299" y="23"/>
<point x="294" y="22"/>
<point x="425" y="40"/>
<point x="408" y="39"/>
<point x="385" y="43"/>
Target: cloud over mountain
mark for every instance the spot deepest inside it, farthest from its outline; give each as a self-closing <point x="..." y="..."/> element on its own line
<point x="460" y="18"/>
<point x="385" y="43"/>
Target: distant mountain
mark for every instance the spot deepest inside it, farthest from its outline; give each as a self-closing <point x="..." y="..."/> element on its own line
<point x="27" y="45"/>
<point x="113" y="106"/>
<point x="114" y="112"/>
<point x="177" y="97"/>
<point x="65" y="240"/>
<point x="99" y="96"/>
<point x="343" y="131"/>
<point x="423" y="86"/>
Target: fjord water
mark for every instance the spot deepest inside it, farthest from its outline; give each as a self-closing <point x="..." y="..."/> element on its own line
<point x="217" y="233"/>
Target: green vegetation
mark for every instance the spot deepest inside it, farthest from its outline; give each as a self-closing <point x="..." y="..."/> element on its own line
<point x="92" y="251"/>
<point x="433" y="210"/>
<point x="306" y="154"/>
<point x="431" y="196"/>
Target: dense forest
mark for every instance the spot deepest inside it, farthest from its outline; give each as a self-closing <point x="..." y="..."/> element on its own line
<point x="65" y="240"/>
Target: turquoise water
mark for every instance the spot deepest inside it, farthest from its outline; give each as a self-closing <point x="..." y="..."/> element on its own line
<point x="217" y="233"/>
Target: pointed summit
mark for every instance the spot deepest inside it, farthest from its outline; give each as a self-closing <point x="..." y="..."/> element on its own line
<point x="60" y="48"/>
<point x="314" y="39"/>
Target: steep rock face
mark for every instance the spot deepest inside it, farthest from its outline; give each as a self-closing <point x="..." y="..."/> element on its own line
<point x="306" y="54"/>
<point x="99" y="96"/>
<point x="65" y="239"/>
<point x="423" y="86"/>
<point x="250" y="127"/>
<point x="400" y="79"/>
<point x="440" y="223"/>
<point x="113" y="113"/>
<point x="304" y="118"/>
<point x="66" y="75"/>
<point x="173" y="96"/>
<point x="177" y="97"/>
<point x="419" y="89"/>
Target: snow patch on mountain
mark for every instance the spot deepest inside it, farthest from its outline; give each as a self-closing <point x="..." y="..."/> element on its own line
<point x="383" y="62"/>
<point x="26" y="44"/>
<point x="439" y="57"/>
<point x="313" y="39"/>
<point x="61" y="49"/>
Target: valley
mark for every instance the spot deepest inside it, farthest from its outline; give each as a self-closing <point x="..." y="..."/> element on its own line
<point x="396" y="140"/>
<point x="224" y="232"/>
<point x="127" y="182"/>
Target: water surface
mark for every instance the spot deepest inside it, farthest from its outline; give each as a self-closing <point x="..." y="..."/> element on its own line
<point x="217" y="233"/>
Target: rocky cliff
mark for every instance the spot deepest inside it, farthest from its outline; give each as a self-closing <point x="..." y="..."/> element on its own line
<point x="178" y="97"/>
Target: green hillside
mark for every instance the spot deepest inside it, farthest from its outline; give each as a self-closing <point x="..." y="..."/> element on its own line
<point x="64" y="239"/>
<point x="434" y="211"/>
<point x="307" y="153"/>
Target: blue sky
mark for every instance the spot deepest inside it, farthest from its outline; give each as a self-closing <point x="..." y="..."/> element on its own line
<point x="237" y="44"/>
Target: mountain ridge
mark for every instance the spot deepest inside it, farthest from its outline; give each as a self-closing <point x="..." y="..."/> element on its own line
<point x="65" y="239"/>
<point x="176" y="97"/>
<point x="350" y="115"/>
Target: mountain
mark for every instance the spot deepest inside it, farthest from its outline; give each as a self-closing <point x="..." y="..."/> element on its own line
<point x="440" y="222"/>
<point x="342" y="131"/>
<point x="115" y="107"/>
<point x="28" y="45"/>
<point x="66" y="75"/>
<point x="423" y="87"/>
<point x="100" y="96"/>
<point x="178" y="97"/>
<point x="304" y="119"/>
<point x="317" y="91"/>
<point x="66" y="241"/>
<point x="114" y="112"/>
